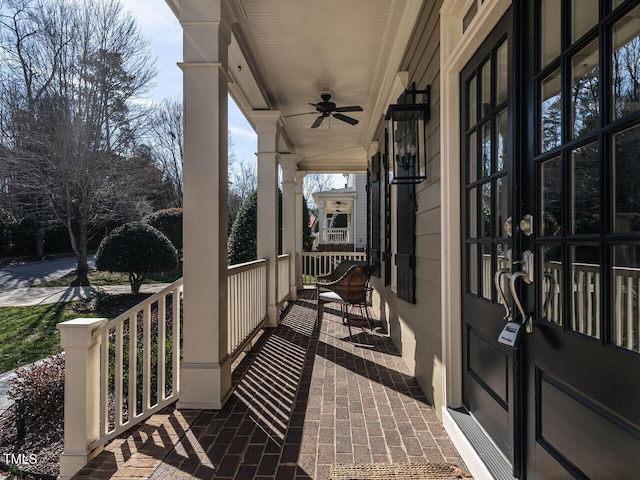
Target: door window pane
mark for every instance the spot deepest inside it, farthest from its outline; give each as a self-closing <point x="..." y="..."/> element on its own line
<point x="550" y="43"/>
<point x="486" y="149"/>
<point x="586" y="279"/>
<point x="550" y="300"/>
<point x="472" y="158"/>
<point x="585" y="106"/>
<point x="472" y="268"/>
<point x="487" y="272"/>
<point x="626" y="65"/>
<point x="584" y="15"/>
<point x="502" y="205"/>
<point x="550" y="112"/>
<point x="626" y="287"/>
<point x="502" y="71"/>
<point x="626" y="173"/>
<point x="472" y="95"/>
<point x="485" y="213"/>
<point x="586" y="189"/>
<point x="502" y="140"/>
<point x="485" y="100"/>
<point x="472" y="212"/>
<point x="551" y="179"/>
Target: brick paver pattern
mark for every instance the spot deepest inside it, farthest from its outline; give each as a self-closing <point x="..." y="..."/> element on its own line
<point x="304" y="399"/>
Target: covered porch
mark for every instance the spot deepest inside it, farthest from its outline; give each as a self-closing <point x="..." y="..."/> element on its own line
<point x="305" y="398"/>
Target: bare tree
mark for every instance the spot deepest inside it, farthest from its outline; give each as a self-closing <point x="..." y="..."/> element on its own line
<point x="316" y="182"/>
<point x="243" y="179"/>
<point x="166" y="141"/>
<point x="75" y="69"/>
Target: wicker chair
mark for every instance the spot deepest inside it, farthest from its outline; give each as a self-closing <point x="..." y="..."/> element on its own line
<point x="337" y="272"/>
<point x="350" y="290"/>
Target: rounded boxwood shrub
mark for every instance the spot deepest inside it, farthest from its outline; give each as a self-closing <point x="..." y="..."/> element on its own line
<point x="243" y="240"/>
<point x="137" y="249"/>
<point x="169" y="222"/>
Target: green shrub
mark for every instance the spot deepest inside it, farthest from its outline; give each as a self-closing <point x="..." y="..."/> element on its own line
<point x="169" y="222"/>
<point x="137" y="249"/>
<point x="243" y="240"/>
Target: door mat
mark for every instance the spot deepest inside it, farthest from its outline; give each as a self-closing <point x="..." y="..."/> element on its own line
<point x="397" y="471"/>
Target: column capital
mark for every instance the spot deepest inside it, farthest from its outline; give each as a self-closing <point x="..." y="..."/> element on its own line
<point x="289" y="164"/>
<point x="267" y="121"/>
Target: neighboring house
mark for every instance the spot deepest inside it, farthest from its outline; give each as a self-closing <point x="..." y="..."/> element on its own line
<point x="350" y="201"/>
<point x="531" y="185"/>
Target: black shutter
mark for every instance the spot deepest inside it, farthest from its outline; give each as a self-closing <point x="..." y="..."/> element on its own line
<point x="387" y="213"/>
<point x="406" y="242"/>
<point x="368" y="188"/>
<point x="374" y="251"/>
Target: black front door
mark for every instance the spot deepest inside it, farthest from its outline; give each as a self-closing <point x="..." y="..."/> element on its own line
<point x="559" y="145"/>
<point x="489" y="376"/>
<point x="581" y="182"/>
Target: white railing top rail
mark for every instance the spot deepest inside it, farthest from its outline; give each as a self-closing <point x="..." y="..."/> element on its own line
<point x="284" y="256"/>
<point x="329" y="254"/>
<point x="243" y="267"/>
<point x="136" y="308"/>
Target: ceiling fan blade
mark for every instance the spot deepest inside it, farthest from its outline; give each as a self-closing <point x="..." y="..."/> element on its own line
<point x="354" y="108"/>
<point x="298" y="114"/>
<point x="344" y="118"/>
<point x="318" y="121"/>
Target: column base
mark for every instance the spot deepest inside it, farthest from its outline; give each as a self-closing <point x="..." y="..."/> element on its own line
<point x="72" y="462"/>
<point x="273" y="315"/>
<point x="204" y="386"/>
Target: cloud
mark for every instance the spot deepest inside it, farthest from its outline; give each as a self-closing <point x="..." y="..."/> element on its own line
<point x="242" y="131"/>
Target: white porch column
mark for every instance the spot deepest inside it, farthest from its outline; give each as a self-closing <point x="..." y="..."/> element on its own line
<point x="299" y="227"/>
<point x="322" y="226"/>
<point x="289" y="164"/>
<point x="205" y="374"/>
<point x="268" y="124"/>
<point x="81" y="393"/>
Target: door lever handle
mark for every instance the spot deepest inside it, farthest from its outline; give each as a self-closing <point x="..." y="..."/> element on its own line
<point x="512" y="286"/>
<point x="501" y="296"/>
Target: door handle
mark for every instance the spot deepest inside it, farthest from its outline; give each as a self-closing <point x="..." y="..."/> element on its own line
<point x="526" y="274"/>
<point x="501" y="296"/>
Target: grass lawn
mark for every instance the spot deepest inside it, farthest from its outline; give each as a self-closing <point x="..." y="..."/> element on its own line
<point x="28" y="334"/>
<point x="102" y="279"/>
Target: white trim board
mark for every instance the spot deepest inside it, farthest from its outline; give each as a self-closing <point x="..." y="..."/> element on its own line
<point x="457" y="49"/>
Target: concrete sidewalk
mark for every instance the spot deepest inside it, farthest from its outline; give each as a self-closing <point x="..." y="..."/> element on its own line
<point x="29" y="296"/>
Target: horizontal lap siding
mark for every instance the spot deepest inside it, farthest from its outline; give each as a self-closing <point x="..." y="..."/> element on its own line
<point x="416" y="329"/>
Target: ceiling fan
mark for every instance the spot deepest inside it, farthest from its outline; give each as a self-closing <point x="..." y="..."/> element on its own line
<point x="328" y="108"/>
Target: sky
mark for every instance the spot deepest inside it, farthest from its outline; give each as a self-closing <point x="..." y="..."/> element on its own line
<point x="161" y="27"/>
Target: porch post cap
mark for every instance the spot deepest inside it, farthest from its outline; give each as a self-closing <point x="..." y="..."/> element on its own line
<point x="82" y="323"/>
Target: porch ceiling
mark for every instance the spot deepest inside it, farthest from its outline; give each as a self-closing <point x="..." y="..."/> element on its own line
<point x="289" y="51"/>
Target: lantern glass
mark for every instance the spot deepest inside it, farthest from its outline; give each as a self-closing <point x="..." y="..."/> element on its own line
<point x="407" y="125"/>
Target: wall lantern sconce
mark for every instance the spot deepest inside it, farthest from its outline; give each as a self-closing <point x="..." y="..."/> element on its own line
<point x="408" y="119"/>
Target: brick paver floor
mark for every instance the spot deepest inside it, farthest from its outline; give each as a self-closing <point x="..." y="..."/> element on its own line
<point x="303" y="401"/>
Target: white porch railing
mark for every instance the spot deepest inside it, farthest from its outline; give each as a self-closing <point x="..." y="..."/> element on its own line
<point x="246" y="302"/>
<point x="116" y="379"/>
<point x="322" y="263"/>
<point x="134" y="382"/>
<point x="283" y="277"/>
<point x="337" y="235"/>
